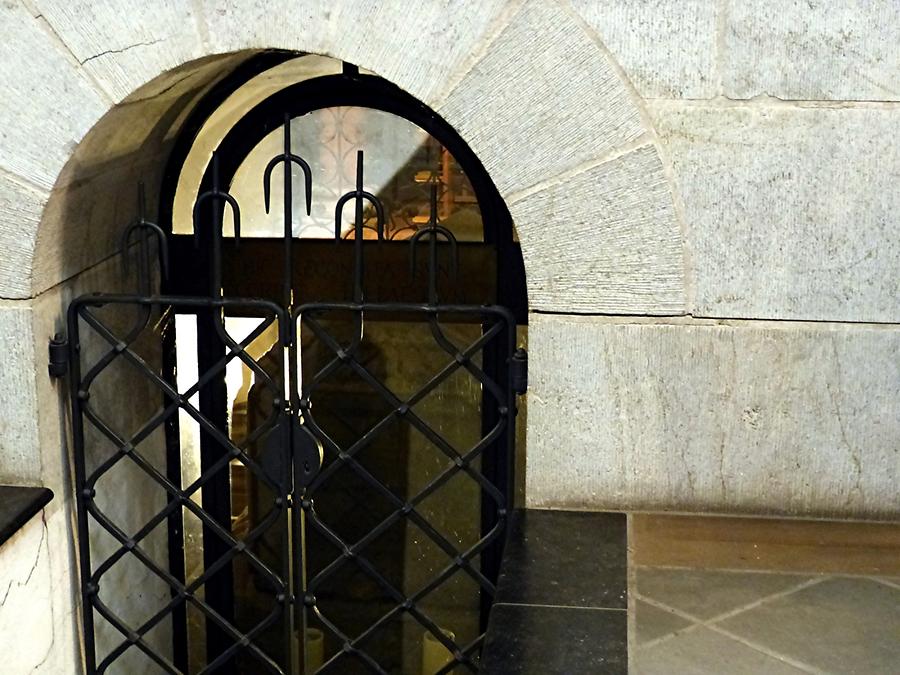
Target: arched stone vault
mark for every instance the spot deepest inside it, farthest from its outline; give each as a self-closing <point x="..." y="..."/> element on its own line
<point x="102" y="88"/>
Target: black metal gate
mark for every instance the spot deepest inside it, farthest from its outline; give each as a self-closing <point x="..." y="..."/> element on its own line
<point x="292" y="456"/>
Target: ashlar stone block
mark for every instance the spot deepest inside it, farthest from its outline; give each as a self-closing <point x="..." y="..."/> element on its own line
<point x="666" y="47"/>
<point x="813" y="50"/>
<point x="20" y="213"/>
<point x="125" y="44"/>
<point x="418" y="46"/>
<point x="792" y="213"/>
<point x="26" y="606"/>
<point x="542" y="101"/>
<point x="604" y="241"/>
<point x="49" y="105"/>
<point x="20" y="462"/>
<point x="745" y="417"/>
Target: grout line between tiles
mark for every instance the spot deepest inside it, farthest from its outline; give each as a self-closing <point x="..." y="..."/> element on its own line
<point x="761" y="601"/>
<point x="710" y="623"/>
<point x="891" y="583"/>
<point x="697" y="625"/>
<point x="762" y="649"/>
<point x="698" y="622"/>
<point x="694" y="621"/>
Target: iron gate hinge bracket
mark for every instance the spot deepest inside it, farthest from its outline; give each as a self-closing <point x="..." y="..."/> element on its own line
<point x="519" y="371"/>
<point x="59" y="356"/>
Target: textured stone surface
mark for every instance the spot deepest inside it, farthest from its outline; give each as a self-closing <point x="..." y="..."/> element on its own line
<point x="52" y="451"/>
<point x="25" y="599"/>
<point x="19" y="457"/>
<point x="38" y="599"/>
<point x="48" y="105"/>
<point x="813" y="50"/>
<point x="122" y="43"/>
<point x="606" y="240"/>
<point x="419" y="46"/>
<point x="543" y="100"/>
<point x="791" y="213"/>
<point x="282" y="24"/>
<point x="96" y="194"/>
<point x="666" y="47"/>
<point x="20" y="213"/>
<point x="747" y="417"/>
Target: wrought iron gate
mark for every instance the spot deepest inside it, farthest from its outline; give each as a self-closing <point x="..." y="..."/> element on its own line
<point x="291" y="457"/>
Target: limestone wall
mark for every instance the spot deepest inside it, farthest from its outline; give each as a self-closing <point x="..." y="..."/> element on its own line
<point x="777" y="390"/>
<point x="706" y="192"/>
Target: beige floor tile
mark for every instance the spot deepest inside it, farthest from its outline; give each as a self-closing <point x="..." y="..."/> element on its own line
<point x="707" y="593"/>
<point x="652" y="622"/>
<point x="843" y="625"/>
<point x="704" y="652"/>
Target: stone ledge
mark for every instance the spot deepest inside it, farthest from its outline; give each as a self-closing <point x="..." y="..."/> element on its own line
<point x="18" y="505"/>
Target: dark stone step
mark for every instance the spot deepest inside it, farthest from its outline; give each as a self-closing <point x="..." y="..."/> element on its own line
<point x="562" y="596"/>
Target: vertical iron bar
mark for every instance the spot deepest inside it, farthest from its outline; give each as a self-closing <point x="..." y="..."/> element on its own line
<point x="432" y="249"/>
<point x="290" y="543"/>
<point x="213" y="404"/>
<point x="82" y="495"/>
<point x="288" y="216"/>
<point x="494" y="466"/>
<point x="176" y="519"/>
<point x="288" y="341"/>
<point x="359" y="268"/>
<point x="216" y="493"/>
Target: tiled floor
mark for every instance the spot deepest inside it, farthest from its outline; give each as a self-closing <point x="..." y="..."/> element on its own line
<point x="701" y="621"/>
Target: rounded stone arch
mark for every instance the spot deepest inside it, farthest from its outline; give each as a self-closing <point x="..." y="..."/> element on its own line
<point x="105" y="87"/>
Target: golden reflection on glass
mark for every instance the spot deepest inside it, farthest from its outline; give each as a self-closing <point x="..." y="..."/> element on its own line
<point x="401" y="163"/>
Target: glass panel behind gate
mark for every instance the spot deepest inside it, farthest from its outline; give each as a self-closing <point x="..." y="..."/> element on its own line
<point x="359" y="580"/>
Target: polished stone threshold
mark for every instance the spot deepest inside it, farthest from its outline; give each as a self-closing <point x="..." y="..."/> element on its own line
<point x="562" y="596"/>
<point x="18" y="505"/>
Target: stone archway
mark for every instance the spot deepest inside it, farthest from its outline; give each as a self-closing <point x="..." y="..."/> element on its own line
<point x="528" y="87"/>
<point x="100" y="89"/>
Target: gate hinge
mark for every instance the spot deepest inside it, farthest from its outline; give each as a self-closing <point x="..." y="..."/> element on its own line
<point x="518" y="367"/>
<point x="59" y="356"/>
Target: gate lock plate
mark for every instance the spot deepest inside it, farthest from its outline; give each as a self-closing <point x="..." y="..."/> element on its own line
<point x="307" y="452"/>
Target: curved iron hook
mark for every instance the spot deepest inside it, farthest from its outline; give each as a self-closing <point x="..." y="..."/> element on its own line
<point x="217" y="193"/>
<point x="235" y="209"/>
<point x="287" y="157"/>
<point x="433" y="231"/>
<point x="142" y="223"/>
<point x="372" y="199"/>
<point x="360" y="194"/>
